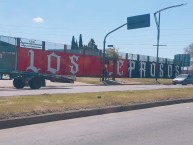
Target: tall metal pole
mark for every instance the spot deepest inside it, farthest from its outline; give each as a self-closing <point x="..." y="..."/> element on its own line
<point x="104" y="42"/>
<point x="158" y="38"/>
<point x="157" y="21"/>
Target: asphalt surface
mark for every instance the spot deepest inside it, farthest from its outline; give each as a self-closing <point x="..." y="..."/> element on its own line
<point x="168" y="125"/>
<point x="7" y="89"/>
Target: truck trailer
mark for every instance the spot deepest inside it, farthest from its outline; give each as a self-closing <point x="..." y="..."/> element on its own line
<point x="18" y="63"/>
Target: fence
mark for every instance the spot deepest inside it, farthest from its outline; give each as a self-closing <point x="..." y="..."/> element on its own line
<point x="36" y="44"/>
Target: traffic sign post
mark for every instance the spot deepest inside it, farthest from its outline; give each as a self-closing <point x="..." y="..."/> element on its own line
<point x="134" y="22"/>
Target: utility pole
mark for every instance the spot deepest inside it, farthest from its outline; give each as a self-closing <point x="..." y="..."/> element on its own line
<point x="157" y="21"/>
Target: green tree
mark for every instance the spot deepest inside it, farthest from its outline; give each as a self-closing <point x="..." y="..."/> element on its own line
<point x="80" y="42"/>
<point x="112" y="55"/>
<point x="92" y="45"/>
<point x="73" y="43"/>
<point x="76" y="45"/>
<point x="189" y="50"/>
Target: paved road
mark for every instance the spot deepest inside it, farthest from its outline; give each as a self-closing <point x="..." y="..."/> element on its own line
<point x="7" y="89"/>
<point x="169" y="125"/>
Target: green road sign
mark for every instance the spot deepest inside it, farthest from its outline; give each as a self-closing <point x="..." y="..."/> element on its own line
<point x="139" y="21"/>
<point x="182" y="59"/>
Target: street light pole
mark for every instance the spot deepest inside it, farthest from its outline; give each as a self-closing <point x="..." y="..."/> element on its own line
<point x="104" y="42"/>
<point x="158" y="39"/>
<point x="157" y="21"/>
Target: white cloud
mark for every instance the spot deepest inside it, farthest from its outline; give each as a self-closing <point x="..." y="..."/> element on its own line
<point x="38" y="20"/>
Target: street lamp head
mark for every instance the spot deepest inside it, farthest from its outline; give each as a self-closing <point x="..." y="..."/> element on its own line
<point x="170" y="8"/>
<point x="184" y="4"/>
<point x="110" y="45"/>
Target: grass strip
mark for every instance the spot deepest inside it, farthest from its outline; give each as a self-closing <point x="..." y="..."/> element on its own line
<point x="145" y="81"/>
<point x="20" y="106"/>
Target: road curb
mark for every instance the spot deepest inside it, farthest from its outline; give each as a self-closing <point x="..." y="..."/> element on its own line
<point x="83" y="113"/>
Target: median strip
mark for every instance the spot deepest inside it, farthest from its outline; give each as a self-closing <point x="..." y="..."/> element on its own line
<point x="42" y="106"/>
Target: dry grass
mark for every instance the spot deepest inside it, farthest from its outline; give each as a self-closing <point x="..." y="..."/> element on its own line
<point x="89" y="80"/>
<point x="146" y="81"/>
<point x="20" y="106"/>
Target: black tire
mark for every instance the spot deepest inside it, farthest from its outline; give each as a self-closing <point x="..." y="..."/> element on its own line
<point x="43" y="82"/>
<point x="19" y="83"/>
<point x="35" y="83"/>
<point x="184" y="83"/>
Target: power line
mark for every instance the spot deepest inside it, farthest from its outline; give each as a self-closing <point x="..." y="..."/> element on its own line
<point x="91" y="28"/>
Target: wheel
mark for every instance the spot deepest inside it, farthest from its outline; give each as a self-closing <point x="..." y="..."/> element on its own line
<point x="43" y="82"/>
<point x="35" y="83"/>
<point x="183" y="83"/>
<point x="18" y="83"/>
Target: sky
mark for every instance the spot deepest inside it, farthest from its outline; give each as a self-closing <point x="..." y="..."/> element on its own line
<point x="59" y="20"/>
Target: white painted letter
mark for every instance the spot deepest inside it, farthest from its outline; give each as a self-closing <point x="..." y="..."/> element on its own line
<point x="177" y="70"/>
<point x="131" y="67"/>
<point x="161" y="73"/>
<point x="74" y="68"/>
<point x="52" y="70"/>
<point x="32" y="67"/>
<point x="119" y="65"/>
<point x="142" y="69"/>
<point x="152" y="70"/>
<point x="169" y="71"/>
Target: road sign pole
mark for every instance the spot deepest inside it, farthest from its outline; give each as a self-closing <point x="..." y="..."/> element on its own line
<point x="104" y="42"/>
<point x="134" y="22"/>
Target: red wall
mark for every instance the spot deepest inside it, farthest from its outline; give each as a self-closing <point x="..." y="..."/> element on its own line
<point x="61" y="63"/>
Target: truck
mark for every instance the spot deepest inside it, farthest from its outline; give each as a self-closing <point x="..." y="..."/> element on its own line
<point x="15" y="53"/>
